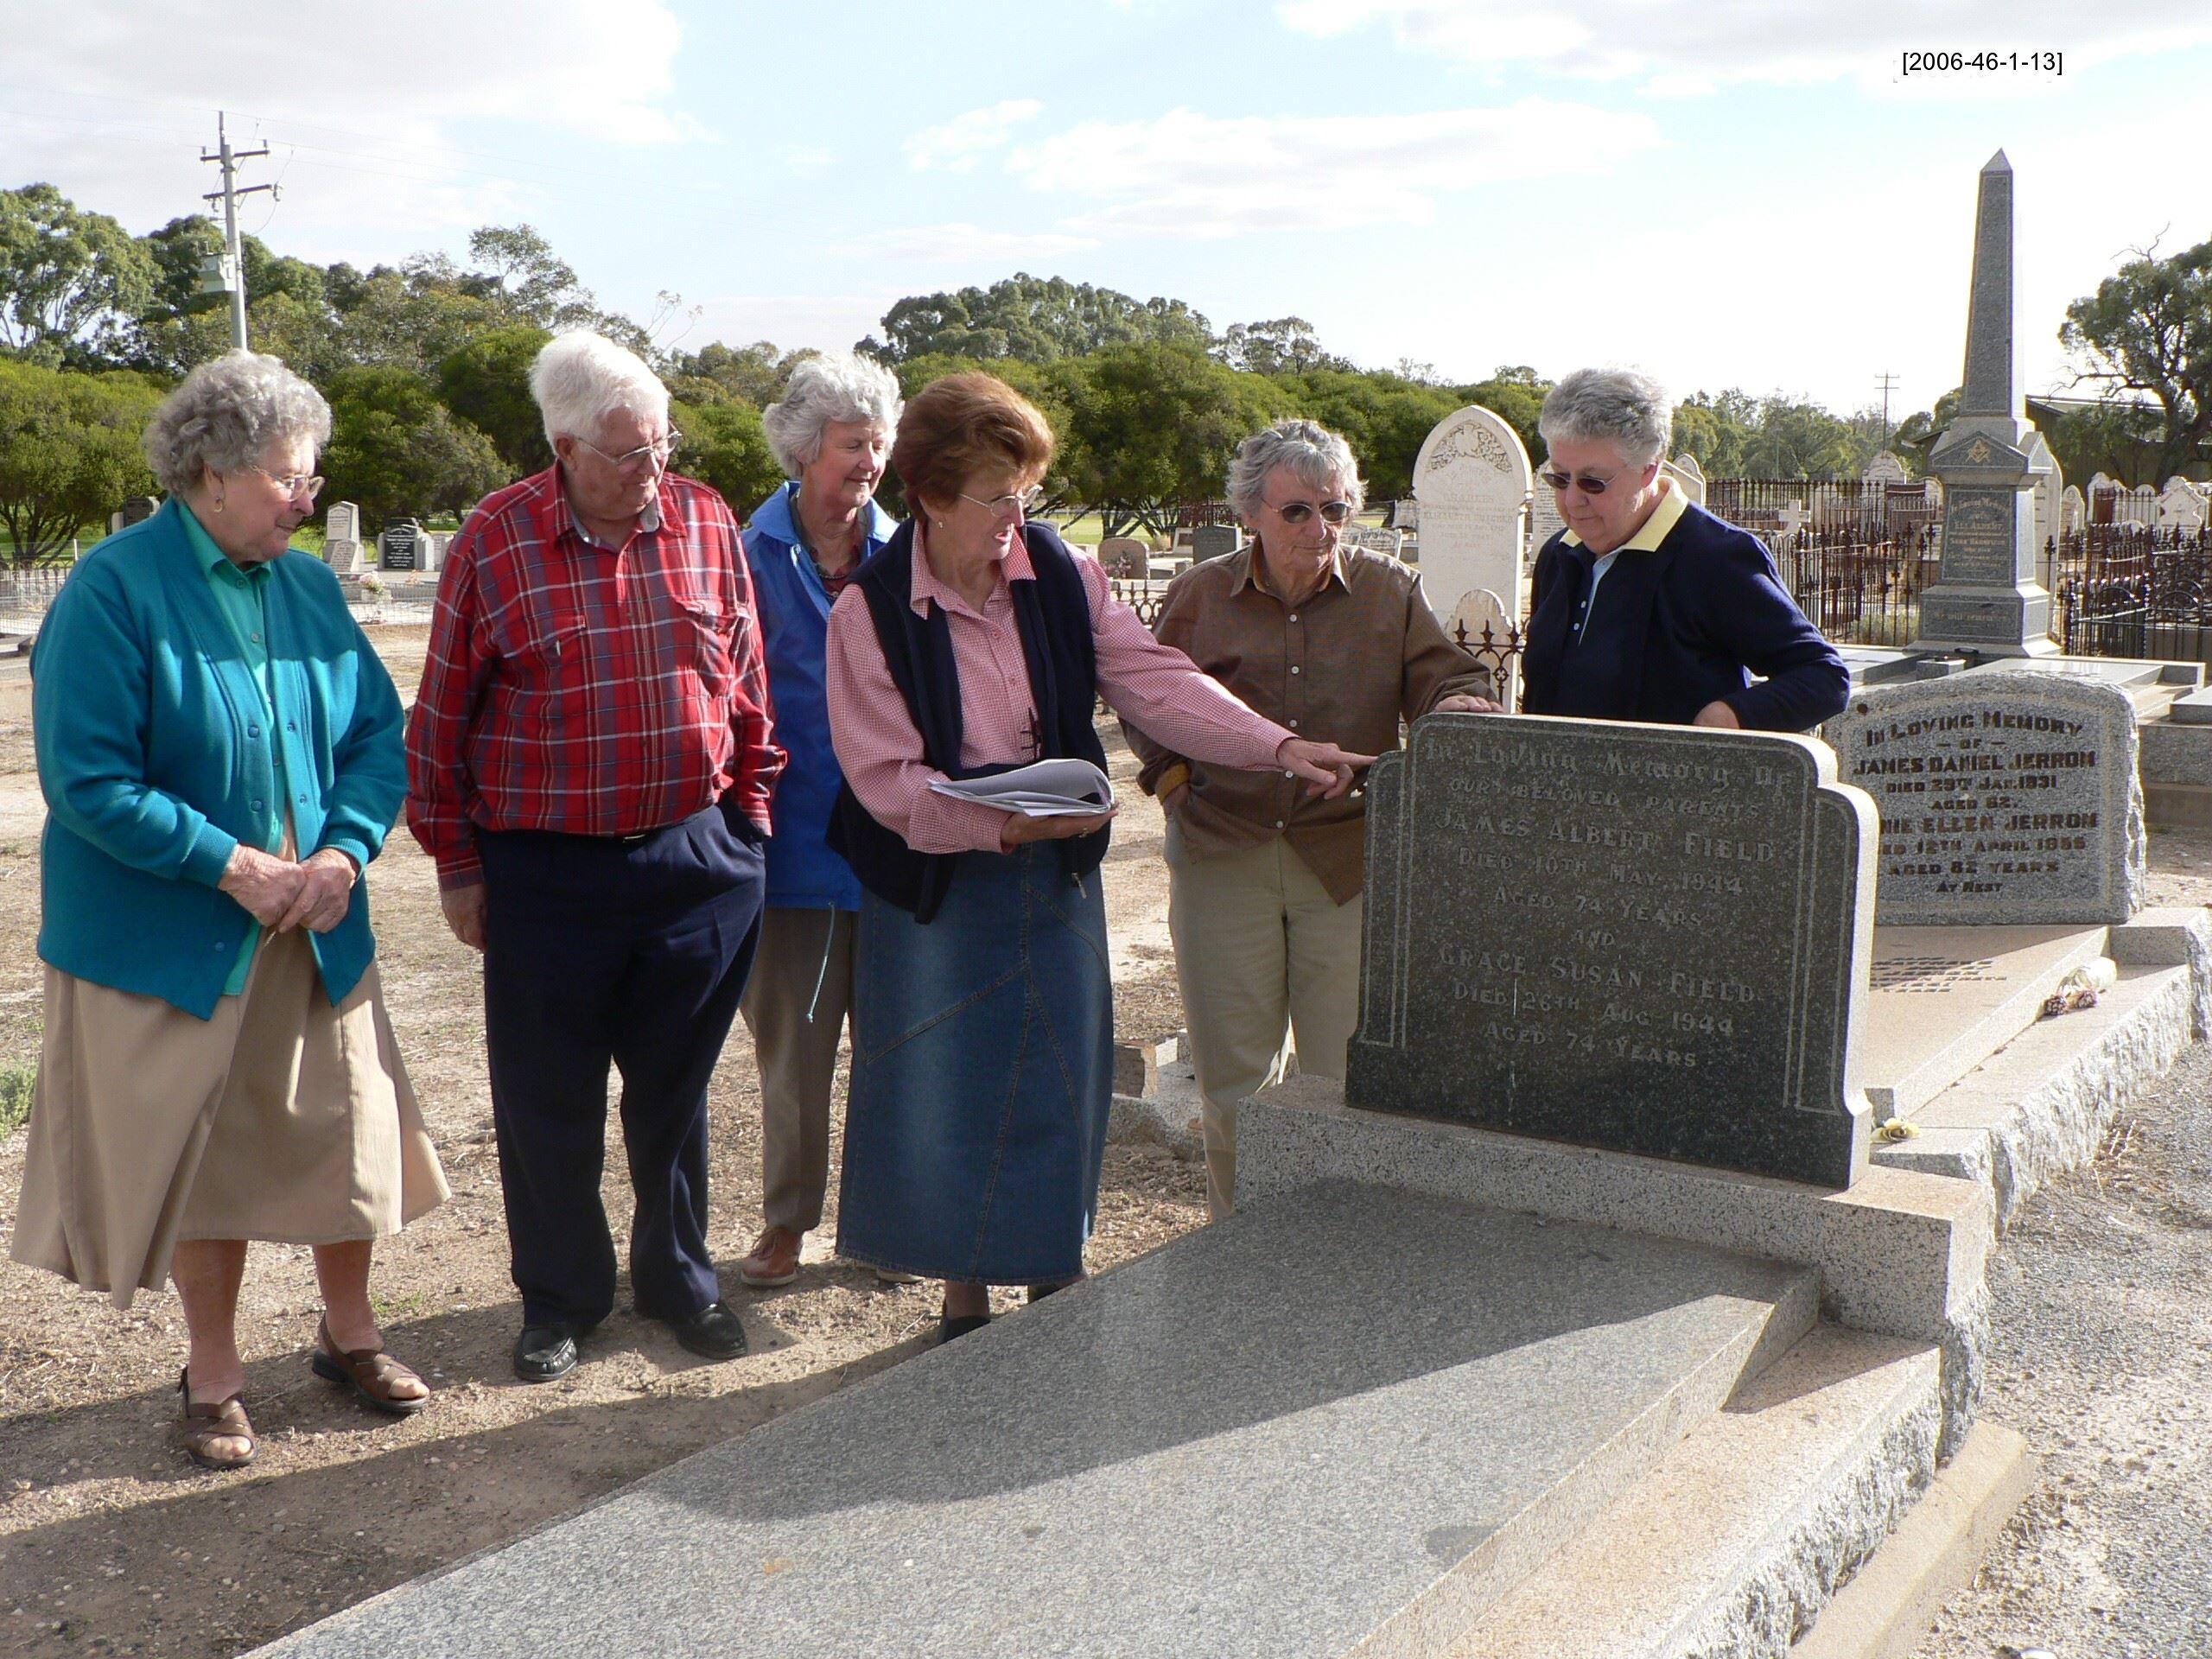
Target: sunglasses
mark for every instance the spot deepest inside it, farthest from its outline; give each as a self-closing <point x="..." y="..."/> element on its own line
<point x="1299" y="513"/>
<point x="1588" y="483"/>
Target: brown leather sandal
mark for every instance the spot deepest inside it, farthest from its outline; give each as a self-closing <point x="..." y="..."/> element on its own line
<point x="369" y="1372"/>
<point x="204" y="1424"/>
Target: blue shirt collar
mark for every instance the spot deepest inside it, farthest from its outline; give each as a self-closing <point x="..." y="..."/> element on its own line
<point x="776" y="517"/>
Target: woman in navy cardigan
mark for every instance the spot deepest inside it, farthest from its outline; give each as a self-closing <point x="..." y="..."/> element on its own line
<point x="1646" y="606"/>
<point x="219" y="752"/>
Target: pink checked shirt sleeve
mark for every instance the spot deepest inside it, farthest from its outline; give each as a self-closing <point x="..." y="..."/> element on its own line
<point x="1156" y="686"/>
<point x="1164" y="694"/>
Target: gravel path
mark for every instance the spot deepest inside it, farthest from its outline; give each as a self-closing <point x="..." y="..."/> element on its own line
<point x="2103" y="1360"/>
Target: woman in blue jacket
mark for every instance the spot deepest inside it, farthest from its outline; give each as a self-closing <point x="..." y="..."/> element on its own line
<point x="1647" y="607"/>
<point x="219" y="752"/>
<point x="832" y="433"/>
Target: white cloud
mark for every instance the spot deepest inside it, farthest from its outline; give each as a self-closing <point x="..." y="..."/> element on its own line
<point x="1693" y="46"/>
<point x="957" y="144"/>
<point x="360" y="104"/>
<point x="946" y="243"/>
<point x="1188" y="175"/>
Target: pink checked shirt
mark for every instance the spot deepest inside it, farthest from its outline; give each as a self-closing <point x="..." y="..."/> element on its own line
<point x="1155" y="686"/>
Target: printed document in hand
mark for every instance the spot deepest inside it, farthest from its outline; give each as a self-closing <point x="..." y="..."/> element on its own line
<point x="1042" y="789"/>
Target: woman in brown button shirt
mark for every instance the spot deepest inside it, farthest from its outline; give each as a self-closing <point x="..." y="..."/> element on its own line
<point x="1335" y="643"/>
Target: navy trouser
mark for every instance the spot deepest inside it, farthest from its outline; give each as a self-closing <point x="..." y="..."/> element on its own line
<point x="627" y="953"/>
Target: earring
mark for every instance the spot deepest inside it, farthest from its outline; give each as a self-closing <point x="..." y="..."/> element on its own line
<point x="219" y="504"/>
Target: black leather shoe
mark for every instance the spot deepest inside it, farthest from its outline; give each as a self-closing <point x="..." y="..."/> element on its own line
<point x="545" y="1351"/>
<point x="714" y="1332"/>
<point x="950" y="1325"/>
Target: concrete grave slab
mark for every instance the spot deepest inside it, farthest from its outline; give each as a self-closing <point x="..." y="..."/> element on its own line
<point x="1900" y="1252"/>
<point x="1942" y="1000"/>
<point x="1159" y="1462"/>
<point x="1742" y="1532"/>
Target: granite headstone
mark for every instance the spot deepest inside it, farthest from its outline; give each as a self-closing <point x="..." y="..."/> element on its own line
<point x="2006" y="796"/>
<point x="1213" y="541"/>
<point x="398" y="546"/>
<point x="1649" y="939"/>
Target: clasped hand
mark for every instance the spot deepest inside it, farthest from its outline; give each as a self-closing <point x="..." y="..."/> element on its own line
<point x="314" y="892"/>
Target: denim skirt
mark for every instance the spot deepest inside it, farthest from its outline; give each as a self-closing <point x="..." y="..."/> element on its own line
<point x="982" y="1074"/>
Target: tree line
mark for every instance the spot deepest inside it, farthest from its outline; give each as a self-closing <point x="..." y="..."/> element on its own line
<point x="424" y="364"/>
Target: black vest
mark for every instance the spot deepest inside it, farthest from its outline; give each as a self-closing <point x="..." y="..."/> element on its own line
<point x="1054" y="617"/>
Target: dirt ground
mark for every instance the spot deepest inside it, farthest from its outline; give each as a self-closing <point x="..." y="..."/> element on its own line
<point x="111" y="1542"/>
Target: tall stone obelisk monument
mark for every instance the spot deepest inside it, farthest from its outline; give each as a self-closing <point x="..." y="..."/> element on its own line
<point x="1985" y="598"/>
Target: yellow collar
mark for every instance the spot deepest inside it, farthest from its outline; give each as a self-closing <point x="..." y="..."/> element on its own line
<point x="1664" y="517"/>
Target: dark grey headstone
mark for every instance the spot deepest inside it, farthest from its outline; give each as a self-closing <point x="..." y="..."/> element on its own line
<point x="138" y="508"/>
<point x="1213" y="541"/>
<point x="2006" y="796"/>
<point x="1649" y="938"/>
<point x="397" y="544"/>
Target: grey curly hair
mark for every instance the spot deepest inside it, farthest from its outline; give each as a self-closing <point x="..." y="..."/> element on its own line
<point x="1631" y="409"/>
<point x="1316" y="456"/>
<point x="835" y="386"/>
<point x="226" y="414"/>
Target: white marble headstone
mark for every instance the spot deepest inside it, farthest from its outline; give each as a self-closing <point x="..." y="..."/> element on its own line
<point x="2180" y="506"/>
<point x="1688" y="476"/>
<point x="2048" y="488"/>
<point x="1472" y="479"/>
<point x="1886" y="468"/>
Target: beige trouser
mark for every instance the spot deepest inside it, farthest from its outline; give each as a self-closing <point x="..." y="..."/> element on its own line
<point x="795" y="1028"/>
<point x="1263" y="955"/>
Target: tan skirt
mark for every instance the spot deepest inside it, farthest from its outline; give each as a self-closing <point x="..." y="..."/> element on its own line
<point x="281" y="1118"/>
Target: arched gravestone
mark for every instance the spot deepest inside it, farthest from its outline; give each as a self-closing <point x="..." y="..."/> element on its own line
<point x="1688" y="476"/>
<point x="1480" y="623"/>
<point x="2044" y="495"/>
<point x="1886" y="468"/>
<point x="1649" y="938"/>
<point x="1125" y="556"/>
<point x="1472" y="479"/>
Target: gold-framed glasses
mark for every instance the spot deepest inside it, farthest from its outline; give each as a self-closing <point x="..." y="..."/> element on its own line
<point x="1329" y="513"/>
<point x="305" y="484"/>
<point x="1019" y="503"/>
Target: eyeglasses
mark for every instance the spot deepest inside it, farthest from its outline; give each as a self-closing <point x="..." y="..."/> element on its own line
<point x="291" y="483"/>
<point x="657" y="452"/>
<point x="1023" y="502"/>
<point x="1299" y="513"/>
<point x="1588" y="483"/>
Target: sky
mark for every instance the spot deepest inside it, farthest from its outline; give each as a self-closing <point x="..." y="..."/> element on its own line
<point x="1736" y="192"/>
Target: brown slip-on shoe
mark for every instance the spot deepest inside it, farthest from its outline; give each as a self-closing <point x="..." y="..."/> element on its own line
<point x="773" y="1259"/>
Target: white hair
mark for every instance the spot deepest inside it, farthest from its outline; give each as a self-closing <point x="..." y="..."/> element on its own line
<point x="226" y="414"/>
<point x="1630" y="409"/>
<point x="835" y="386"/>
<point x="580" y="377"/>
<point x="1317" y="458"/>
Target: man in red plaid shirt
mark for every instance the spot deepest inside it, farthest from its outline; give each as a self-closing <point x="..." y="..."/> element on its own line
<point x="590" y="764"/>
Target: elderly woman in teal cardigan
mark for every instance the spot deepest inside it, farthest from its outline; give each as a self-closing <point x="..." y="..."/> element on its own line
<point x="220" y="751"/>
